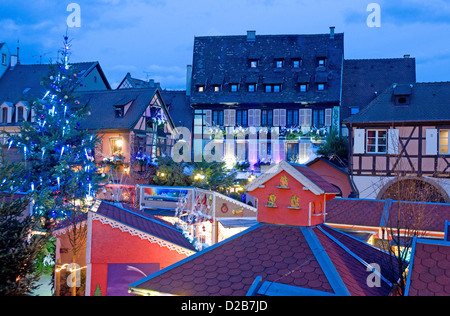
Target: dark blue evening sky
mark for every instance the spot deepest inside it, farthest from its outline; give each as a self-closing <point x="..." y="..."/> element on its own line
<point x="154" y="38"/>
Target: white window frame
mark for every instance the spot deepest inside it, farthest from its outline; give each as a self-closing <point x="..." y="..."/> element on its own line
<point x="447" y="139"/>
<point x="377" y="137"/>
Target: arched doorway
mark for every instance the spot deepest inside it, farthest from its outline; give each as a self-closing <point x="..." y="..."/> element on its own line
<point x="415" y="190"/>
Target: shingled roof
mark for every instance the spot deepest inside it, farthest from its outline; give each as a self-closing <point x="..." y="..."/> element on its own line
<point x="103" y="107"/>
<point x="141" y="221"/>
<point x="305" y="175"/>
<point x="23" y="82"/>
<point x="288" y="260"/>
<point x="429" y="270"/>
<point x="179" y="107"/>
<point x="428" y="102"/>
<point x="224" y="60"/>
<point x="364" y="79"/>
<point x="379" y="213"/>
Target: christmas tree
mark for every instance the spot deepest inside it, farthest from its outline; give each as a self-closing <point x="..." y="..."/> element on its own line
<point x="58" y="153"/>
<point x="19" y="247"/>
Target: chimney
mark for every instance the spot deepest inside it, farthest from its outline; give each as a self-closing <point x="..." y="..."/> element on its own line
<point x="188" y="80"/>
<point x="332" y="32"/>
<point x="251" y="36"/>
<point x="406" y="56"/>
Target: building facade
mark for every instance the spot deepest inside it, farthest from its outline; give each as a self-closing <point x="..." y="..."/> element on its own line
<point x="402" y="138"/>
<point x="268" y="95"/>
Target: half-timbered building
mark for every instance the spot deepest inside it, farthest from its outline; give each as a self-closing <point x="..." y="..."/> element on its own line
<point x="402" y="138"/>
<point x="133" y="123"/>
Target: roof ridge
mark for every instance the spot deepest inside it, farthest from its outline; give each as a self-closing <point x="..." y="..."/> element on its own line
<point x="354" y="255"/>
<point x="146" y="216"/>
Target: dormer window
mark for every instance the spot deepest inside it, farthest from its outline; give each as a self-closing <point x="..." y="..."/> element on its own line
<point x="303" y="87"/>
<point x="275" y="88"/>
<point x="120" y="111"/>
<point x="296" y="63"/>
<point x="278" y="63"/>
<point x="402" y="94"/>
<point x="234" y="87"/>
<point x="20" y="111"/>
<point x="321" y="62"/>
<point x="4" y="115"/>
<point x="216" y="88"/>
<point x="321" y="86"/>
<point x="200" y="89"/>
<point x="253" y="63"/>
<point x="402" y="100"/>
<point x="252" y="87"/>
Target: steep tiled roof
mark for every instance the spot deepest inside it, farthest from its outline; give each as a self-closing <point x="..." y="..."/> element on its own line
<point x="179" y="107"/>
<point x="144" y="222"/>
<point x="428" y="102"/>
<point x="103" y="110"/>
<point x="326" y="186"/>
<point x="372" y="213"/>
<point x="224" y="60"/>
<point x="429" y="271"/>
<point x="316" y="259"/>
<point x="23" y="82"/>
<point x="301" y="173"/>
<point x="363" y="79"/>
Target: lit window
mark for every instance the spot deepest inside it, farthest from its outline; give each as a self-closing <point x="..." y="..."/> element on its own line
<point x="216" y="88"/>
<point x="354" y="111"/>
<point x="376" y="141"/>
<point x="254" y="63"/>
<point x="252" y="87"/>
<point x="234" y="88"/>
<point x="116" y="145"/>
<point x="443" y="142"/>
<point x="296" y="63"/>
<point x="321" y="61"/>
<point x="303" y="87"/>
<point x="321" y="86"/>
<point x="279" y="63"/>
<point x="273" y="88"/>
<point x="200" y="89"/>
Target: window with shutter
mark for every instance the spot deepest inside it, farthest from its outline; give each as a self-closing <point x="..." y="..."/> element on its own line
<point x="208" y="117"/>
<point x="251" y="117"/>
<point x="328" y="117"/>
<point x="359" y="141"/>
<point x="276" y="117"/>
<point x="257" y="114"/>
<point x="393" y="141"/>
<point x="283" y="117"/>
<point x="306" y="117"/>
<point x="431" y="148"/>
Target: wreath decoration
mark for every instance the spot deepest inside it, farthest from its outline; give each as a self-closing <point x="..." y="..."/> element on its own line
<point x="224" y="208"/>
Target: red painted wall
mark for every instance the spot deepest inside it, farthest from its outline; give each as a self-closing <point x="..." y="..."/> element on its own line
<point x="282" y="214"/>
<point x="333" y="176"/>
<point x="114" y="246"/>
